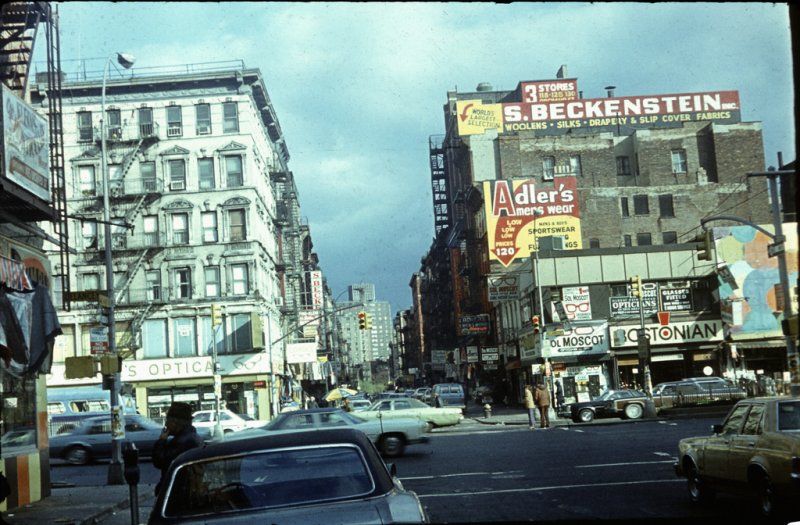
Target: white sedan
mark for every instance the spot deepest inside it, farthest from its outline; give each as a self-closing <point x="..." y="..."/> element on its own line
<point x="393" y="408"/>
<point x="229" y="421"/>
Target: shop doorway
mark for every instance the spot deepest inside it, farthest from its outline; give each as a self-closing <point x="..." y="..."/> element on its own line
<point x="594" y="385"/>
<point x="570" y="393"/>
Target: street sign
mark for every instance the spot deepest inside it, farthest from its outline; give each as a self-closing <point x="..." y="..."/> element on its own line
<point x="88" y="295"/>
<point x="773" y="250"/>
<point x="98" y="340"/>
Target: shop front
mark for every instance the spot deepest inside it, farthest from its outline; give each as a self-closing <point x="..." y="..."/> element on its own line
<point x="244" y="388"/>
<point x="577" y="358"/>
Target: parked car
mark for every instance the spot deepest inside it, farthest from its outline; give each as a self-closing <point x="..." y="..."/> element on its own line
<point x="755" y="450"/>
<point x="359" y="404"/>
<point x="91" y="440"/>
<point x="627" y="404"/>
<point x="448" y="395"/>
<point x="229" y="421"/>
<point x="391" y="436"/>
<point x="393" y="408"/>
<point x="423" y="393"/>
<point x="295" y="477"/>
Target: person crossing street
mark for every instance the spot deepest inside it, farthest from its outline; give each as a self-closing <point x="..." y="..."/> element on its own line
<point x="542" y="400"/>
<point x="530" y="406"/>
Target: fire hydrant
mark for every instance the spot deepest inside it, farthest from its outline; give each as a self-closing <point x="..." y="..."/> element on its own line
<point x="487" y="410"/>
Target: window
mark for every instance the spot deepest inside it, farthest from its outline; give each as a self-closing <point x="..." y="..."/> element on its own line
<point x="230" y="117"/>
<point x="212" y="281"/>
<point x="751" y="425"/>
<point x="180" y="228"/>
<point x="594" y="243"/>
<point x="236" y="224"/>
<point x="239" y="281"/>
<point x="641" y="205"/>
<point x="91" y="281"/>
<point x="627" y="241"/>
<point x="115" y="185"/>
<point x="678" y="161"/>
<point x="146" y="122"/>
<point x="624" y="166"/>
<point x="153" y="278"/>
<point x="205" y="168"/>
<point x="147" y="170"/>
<point x="86" y="180"/>
<point x="665" y="206"/>
<point x="575" y="165"/>
<point x="183" y="337"/>
<point x="643" y="239"/>
<point x="734" y="421"/>
<point x="203" y="114"/>
<point x="548" y="168"/>
<point x="85" y="132"/>
<point x="174" y="121"/>
<point x="623" y="201"/>
<point x="183" y="283"/>
<point x="177" y="174"/>
<point x="233" y="170"/>
<point x="89" y="234"/>
<point x="209" y="226"/>
<point x="150" y="228"/>
<point x="240" y="340"/>
<point x="113" y="124"/>
<point x="669" y="237"/>
<point x="154" y="338"/>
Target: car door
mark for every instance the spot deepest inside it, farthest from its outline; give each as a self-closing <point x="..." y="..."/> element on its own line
<point x="744" y="445"/>
<point x="607" y="408"/>
<point x="144" y="437"/>
<point x="717" y="448"/>
<point x="98" y="435"/>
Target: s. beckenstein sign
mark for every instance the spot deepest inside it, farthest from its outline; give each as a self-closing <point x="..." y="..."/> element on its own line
<point x="673" y="333"/>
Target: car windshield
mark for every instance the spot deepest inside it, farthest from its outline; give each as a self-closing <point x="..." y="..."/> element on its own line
<point x="605" y="396"/>
<point x="287" y="477"/>
<point x="789" y="416"/>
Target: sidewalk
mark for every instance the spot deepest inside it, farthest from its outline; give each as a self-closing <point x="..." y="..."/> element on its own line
<point x="70" y="505"/>
<point x="518" y="415"/>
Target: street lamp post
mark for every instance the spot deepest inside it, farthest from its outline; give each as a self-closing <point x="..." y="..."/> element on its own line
<point x="115" y="471"/>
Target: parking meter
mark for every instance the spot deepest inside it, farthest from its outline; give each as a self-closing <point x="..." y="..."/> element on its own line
<point x="130" y="457"/>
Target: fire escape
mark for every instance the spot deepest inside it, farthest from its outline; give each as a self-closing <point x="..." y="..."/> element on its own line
<point x="290" y="266"/>
<point x="19" y="26"/>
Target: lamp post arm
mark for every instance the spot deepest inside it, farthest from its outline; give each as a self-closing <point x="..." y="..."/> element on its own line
<point x="312" y="320"/>
<point x="734" y="218"/>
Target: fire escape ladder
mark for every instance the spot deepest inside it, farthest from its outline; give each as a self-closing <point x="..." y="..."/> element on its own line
<point x="132" y="340"/>
<point x="19" y="25"/>
<point x="130" y="274"/>
<point x="131" y="214"/>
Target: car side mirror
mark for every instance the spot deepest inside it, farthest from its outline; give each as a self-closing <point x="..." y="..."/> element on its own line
<point x="716" y="429"/>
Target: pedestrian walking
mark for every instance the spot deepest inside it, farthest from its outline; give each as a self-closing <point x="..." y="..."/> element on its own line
<point x="530" y="406"/>
<point x="312" y="403"/>
<point x="542" y="399"/>
<point x="178" y="436"/>
<point x="559" y="396"/>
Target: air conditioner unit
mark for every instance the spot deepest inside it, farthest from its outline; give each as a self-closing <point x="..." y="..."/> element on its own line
<point x="177" y="185"/>
<point x="203" y="130"/>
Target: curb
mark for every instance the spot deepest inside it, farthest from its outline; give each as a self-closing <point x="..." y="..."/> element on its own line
<point x="101" y="515"/>
<point x="607" y="422"/>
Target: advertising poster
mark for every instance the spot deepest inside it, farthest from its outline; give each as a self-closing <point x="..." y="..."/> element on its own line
<point x="475" y="324"/>
<point x="26" y="146"/>
<point x="576" y="303"/>
<point x="519" y="212"/>
<point x="474" y="117"/>
<point x="676" y="299"/>
<point x="503" y="287"/>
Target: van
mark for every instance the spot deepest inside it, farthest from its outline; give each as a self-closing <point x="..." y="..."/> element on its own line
<point x="448" y="395"/>
<point x="68" y="406"/>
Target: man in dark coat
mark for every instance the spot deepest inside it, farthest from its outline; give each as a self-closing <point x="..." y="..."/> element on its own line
<point x="177" y="437"/>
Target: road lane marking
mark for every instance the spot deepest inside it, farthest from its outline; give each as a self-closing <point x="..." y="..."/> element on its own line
<point x="556" y="487"/>
<point x="462" y="474"/>
<point x="628" y="463"/>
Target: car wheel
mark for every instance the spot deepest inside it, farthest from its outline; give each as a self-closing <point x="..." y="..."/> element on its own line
<point x="699" y="492"/>
<point x="78" y="456"/>
<point x="634" y="411"/>
<point x="586" y="415"/>
<point x="766" y="496"/>
<point x="392" y="445"/>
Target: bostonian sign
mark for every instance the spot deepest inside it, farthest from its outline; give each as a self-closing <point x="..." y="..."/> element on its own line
<point x="673" y="333"/>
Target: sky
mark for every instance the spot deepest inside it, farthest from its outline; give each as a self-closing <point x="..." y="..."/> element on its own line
<point x="359" y="88"/>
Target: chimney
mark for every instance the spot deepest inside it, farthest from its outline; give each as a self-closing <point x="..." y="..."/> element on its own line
<point x="610" y="91"/>
<point x="562" y="71"/>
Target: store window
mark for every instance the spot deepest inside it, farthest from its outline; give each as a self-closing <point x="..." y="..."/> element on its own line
<point x="183" y="337"/>
<point x="154" y="338"/>
<point x="19" y="415"/>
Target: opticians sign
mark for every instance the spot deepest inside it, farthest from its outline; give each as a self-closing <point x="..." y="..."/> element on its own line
<point x="576" y="304"/>
<point x="518" y="212"/>
<point x="503" y="287"/>
<point x="673" y="333"/>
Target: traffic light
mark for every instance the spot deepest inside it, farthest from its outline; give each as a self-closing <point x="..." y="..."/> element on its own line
<point x="368" y="322"/>
<point x="362" y="320"/>
<point x="216" y="314"/>
<point x="705" y="246"/>
<point x="536" y="326"/>
<point x="636" y="286"/>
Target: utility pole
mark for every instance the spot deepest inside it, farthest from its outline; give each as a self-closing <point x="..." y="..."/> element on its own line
<point x="217" y="321"/>
<point x="642" y="339"/>
<point x="778" y="249"/>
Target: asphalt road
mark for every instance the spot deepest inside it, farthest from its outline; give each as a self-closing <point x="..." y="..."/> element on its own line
<point x="476" y="474"/>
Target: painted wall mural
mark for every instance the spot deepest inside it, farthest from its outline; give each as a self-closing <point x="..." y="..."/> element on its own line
<point x="752" y="299"/>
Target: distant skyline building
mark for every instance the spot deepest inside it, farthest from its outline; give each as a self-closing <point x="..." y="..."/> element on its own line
<point x="361" y="292"/>
<point x="374" y="344"/>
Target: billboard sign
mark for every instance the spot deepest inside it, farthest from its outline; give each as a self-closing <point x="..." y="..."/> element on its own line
<point x="628" y="306"/>
<point x="676" y="299"/>
<point x="438" y="357"/>
<point x="578" y="339"/>
<point x="26" y="146"/>
<point x="577" y="306"/>
<point x="560" y="90"/>
<point x="472" y="354"/>
<point x="503" y="287"/>
<point x="301" y="353"/>
<point x="474" y="117"/>
<point x="518" y="212"/>
<point x="635" y="112"/>
<point x="490" y="354"/>
<point x="674" y="333"/>
<point x="475" y="324"/>
<point x="316" y="289"/>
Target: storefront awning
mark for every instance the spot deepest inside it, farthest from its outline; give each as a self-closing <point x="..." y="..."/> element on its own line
<point x="748" y="345"/>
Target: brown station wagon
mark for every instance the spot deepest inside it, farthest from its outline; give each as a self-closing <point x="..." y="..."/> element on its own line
<point x="756" y="450"/>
